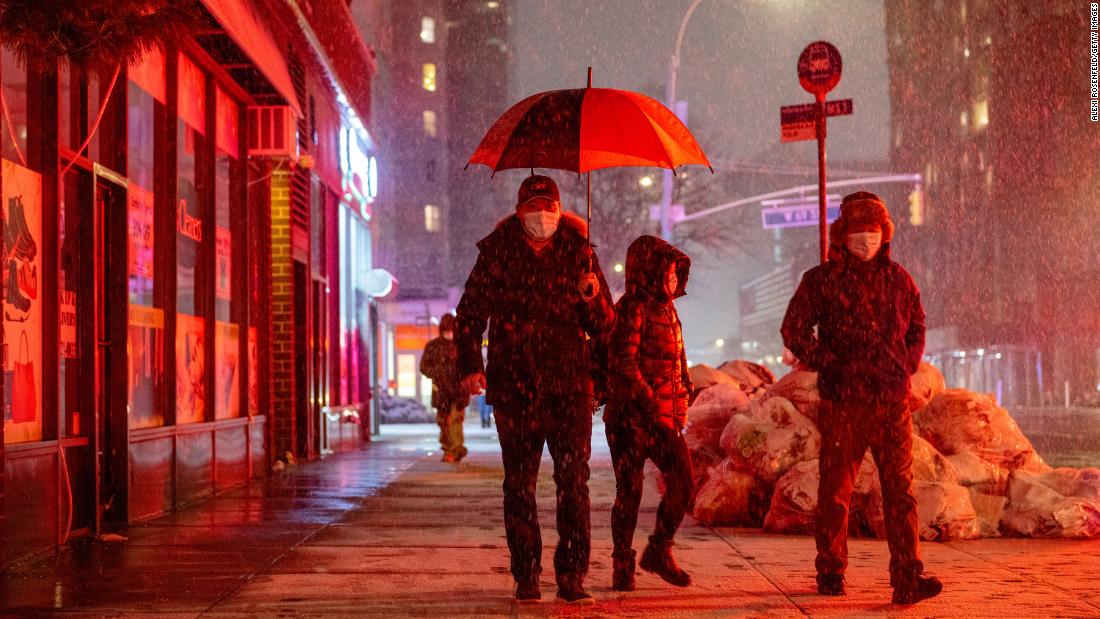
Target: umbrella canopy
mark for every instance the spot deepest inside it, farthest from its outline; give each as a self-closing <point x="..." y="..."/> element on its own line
<point x="587" y="129"/>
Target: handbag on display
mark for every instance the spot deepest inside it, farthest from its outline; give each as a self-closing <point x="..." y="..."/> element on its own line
<point x="24" y="395"/>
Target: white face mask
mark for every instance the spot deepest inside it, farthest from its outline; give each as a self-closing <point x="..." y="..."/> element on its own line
<point x="541" y="225"/>
<point x="864" y="245"/>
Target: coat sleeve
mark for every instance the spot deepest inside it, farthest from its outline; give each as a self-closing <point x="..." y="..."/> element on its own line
<point x="685" y="376"/>
<point x="598" y="315"/>
<point x="914" y="335"/>
<point x="429" y="362"/>
<point x="625" y="341"/>
<point x="803" y="314"/>
<point x="472" y="317"/>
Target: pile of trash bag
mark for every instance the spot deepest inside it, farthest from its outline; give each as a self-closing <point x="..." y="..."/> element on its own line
<point x="755" y="445"/>
<point x="403" y="410"/>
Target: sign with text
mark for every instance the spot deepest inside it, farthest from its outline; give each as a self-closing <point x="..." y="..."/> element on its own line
<point x="796" y="122"/>
<point x="67" y="323"/>
<point x="797" y="216"/>
<point x="819" y="68"/>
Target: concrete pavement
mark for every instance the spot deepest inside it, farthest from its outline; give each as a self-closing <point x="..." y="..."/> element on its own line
<point x="391" y="531"/>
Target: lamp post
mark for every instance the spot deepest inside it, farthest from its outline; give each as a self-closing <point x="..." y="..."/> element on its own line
<point x="670" y="100"/>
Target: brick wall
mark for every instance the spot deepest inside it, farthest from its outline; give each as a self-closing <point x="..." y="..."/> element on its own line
<point x="281" y="318"/>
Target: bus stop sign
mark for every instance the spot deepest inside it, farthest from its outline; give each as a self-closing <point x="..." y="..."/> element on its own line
<point x="819" y="68"/>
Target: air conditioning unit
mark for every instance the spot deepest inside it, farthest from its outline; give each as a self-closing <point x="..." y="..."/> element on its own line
<point x="272" y="131"/>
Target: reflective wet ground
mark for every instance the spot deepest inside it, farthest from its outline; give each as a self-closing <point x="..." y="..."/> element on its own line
<point x="390" y="531"/>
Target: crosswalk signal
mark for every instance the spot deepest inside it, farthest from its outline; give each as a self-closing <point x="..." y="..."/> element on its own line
<point x="916" y="207"/>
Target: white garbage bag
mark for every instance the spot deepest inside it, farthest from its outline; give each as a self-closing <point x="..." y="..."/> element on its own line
<point x="706" y="419"/>
<point x="753" y="378"/>
<point x="957" y="419"/>
<point x="800" y="388"/>
<point x="984" y="477"/>
<point x="990" y="508"/>
<point x="771" y="437"/>
<point x="930" y="465"/>
<point x="926" y="384"/>
<point x="730" y="496"/>
<point x="1063" y="502"/>
<point x="703" y="376"/>
<point x="945" y="512"/>
<point x="794" y="501"/>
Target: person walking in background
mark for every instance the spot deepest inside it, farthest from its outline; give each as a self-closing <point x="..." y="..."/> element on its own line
<point x="538" y="287"/>
<point x="484" y="410"/>
<point x="647" y="407"/>
<point x="869" y="340"/>
<point x="449" y="398"/>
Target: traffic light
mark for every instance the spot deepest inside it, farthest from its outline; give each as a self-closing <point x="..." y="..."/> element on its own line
<point x="916" y="207"/>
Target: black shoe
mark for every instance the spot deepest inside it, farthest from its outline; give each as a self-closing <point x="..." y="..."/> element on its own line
<point x="18" y="240"/>
<point x="622" y="575"/>
<point x="527" y="592"/>
<point x="657" y="558"/>
<point x="14" y="296"/>
<point x="830" y="584"/>
<point x="917" y="589"/>
<point x="572" y="591"/>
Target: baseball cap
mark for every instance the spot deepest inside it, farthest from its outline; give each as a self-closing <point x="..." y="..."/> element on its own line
<point x="538" y="186"/>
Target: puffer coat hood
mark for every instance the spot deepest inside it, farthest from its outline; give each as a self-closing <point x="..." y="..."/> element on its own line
<point x="648" y="376"/>
<point x="647" y="261"/>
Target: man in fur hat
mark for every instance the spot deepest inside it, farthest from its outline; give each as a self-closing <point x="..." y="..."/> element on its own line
<point x="869" y="340"/>
<point x="538" y="286"/>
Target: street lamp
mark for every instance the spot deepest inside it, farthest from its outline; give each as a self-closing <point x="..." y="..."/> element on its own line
<point x="646" y="181"/>
<point x="670" y="100"/>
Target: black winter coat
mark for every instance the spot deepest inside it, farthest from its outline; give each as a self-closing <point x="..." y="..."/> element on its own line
<point x="870" y="327"/>
<point x="538" y="323"/>
<point x="648" y="366"/>
<point x="439" y="363"/>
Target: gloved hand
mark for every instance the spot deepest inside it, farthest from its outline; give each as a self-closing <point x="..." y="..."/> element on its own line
<point x="589" y="287"/>
<point x="474" y="383"/>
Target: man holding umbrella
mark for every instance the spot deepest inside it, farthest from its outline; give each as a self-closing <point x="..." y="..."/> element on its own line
<point x="538" y="287"/>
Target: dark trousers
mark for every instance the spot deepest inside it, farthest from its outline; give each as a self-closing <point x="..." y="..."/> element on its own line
<point x="630" y="447"/>
<point x="847" y="430"/>
<point x="566" y="428"/>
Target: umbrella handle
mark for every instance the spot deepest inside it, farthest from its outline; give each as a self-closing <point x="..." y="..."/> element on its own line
<point x="588" y="229"/>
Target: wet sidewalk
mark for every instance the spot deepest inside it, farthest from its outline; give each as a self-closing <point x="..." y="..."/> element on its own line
<point x="391" y="531"/>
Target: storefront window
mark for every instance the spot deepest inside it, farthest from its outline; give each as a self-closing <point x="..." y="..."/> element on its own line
<point x="145" y="338"/>
<point x="22" y="212"/>
<point x="192" y="280"/>
<point x="227" y="307"/>
<point x="76" y="190"/>
<point x="345" y="332"/>
<point x="14" y="136"/>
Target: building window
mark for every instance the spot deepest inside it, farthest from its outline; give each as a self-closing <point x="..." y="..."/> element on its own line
<point x="427" y="29"/>
<point x="429" y="123"/>
<point x="228" y="309"/>
<point x="427" y="78"/>
<point x="980" y="114"/>
<point x="433" y="222"/>
<point x="192" y="211"/>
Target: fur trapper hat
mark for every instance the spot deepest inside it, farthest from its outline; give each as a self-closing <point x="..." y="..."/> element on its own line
<point x="860" y="208"/>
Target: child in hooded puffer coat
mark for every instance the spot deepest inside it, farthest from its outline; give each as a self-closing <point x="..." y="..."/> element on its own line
<point x="647" y="407"/>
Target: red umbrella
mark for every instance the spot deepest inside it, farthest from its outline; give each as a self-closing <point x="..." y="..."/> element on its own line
<point x="588" y="129"/>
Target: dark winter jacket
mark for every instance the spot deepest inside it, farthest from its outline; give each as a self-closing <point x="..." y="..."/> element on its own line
<point x="439" y="363"/>
<point x="870" y="327"/>
<point x="538" y="323"/>
<point x="648" y="366"/>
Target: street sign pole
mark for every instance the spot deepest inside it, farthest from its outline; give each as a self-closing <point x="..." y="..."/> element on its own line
<point x="819" y="68"/>
<point x="822" y="225"/>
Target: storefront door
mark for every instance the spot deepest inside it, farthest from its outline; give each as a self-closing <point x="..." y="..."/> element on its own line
<point x="112" y="441"/>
